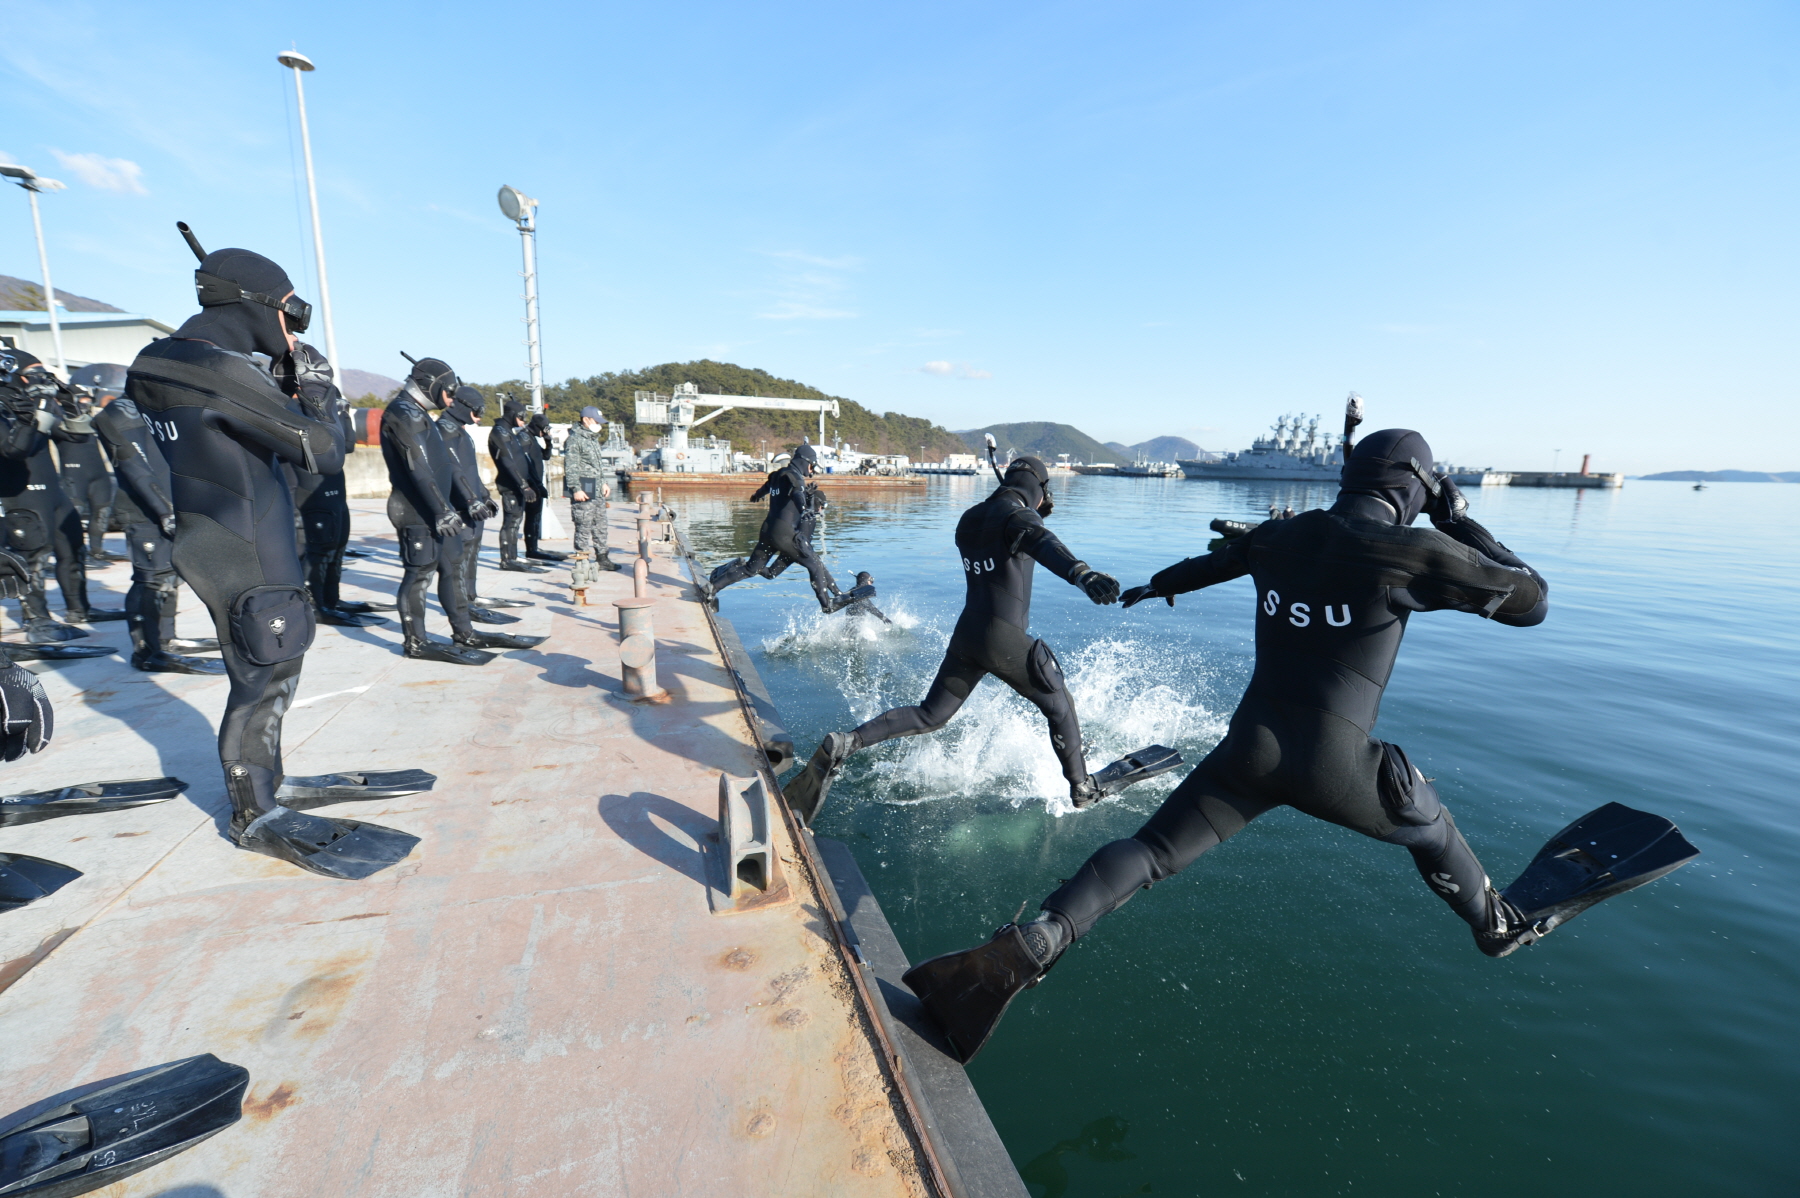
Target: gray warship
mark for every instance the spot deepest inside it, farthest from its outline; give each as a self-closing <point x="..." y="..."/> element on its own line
<point x="1294" y="452"/>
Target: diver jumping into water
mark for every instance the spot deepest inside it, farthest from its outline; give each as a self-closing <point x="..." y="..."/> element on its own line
<point x="786" y="536"/>
<point x="1334" y="589"/>
<point x="1001" y="541"/>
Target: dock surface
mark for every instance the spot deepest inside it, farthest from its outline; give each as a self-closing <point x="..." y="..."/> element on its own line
<point x="540" y="1000"/>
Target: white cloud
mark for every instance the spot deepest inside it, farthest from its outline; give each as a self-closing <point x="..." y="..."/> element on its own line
<point x="941" y="368"/>
<point x="108" y="174"/>
<point x="792" y="310"/>
<point x="972" y="373"/>
<point x="961" y="370"/>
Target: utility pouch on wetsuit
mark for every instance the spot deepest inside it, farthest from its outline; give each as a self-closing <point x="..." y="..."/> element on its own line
<point x="1406" y="796"/>
<point x="25" y="531"/>
<point x="272" y="624"/>
<point x="1041" y="664"/>
<point x="418" y="545"/>
<point x="324" y="528"/>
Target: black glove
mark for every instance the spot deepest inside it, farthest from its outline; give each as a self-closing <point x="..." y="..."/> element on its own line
<point x="1449" y="506"/>
<point x="448" y="525"/>
<point x="485" y="510"/>
<point x="1101" y="588"/>
<point x="26" y="721"/>
<point x="1139" y="594"/>
<point x="15" y="575"/>
<point x="168" y="523"/>
<point x="528" y="495"/>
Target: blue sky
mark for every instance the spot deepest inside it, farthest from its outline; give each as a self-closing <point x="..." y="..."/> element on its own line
<point x="1519" y="227"/>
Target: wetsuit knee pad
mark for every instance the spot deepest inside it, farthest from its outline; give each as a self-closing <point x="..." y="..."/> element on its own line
<point x="272" y="624"/>
<point x="26" y="531"/>
<point x="1407" y="798"/>
<point x="1043" y="669"/>
<point x="418" y="546"/>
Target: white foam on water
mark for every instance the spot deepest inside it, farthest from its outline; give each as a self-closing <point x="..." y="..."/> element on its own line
<point x="809" y="632"/>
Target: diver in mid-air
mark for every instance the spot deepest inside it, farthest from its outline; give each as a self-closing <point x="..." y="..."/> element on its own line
<point x="786" y="536"/>
<point x="1334" y="589"/>
<point x="1001" y="541"/>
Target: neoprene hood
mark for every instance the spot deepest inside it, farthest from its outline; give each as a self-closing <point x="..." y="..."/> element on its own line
<point x="1388" y="465"/>
<point x="241" y="300"/>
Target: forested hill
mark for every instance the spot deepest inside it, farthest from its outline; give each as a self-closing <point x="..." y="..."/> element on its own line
<point x="1041" y="438"/>
<point x="871" y="432"/>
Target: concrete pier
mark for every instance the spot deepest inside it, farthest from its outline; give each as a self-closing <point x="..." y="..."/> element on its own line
<point x="561" y="992"/>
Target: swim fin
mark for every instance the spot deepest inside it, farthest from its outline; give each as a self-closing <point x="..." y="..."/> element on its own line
<point x="967" y="992"/>
<point x="484" y="601"/>
<point x="498" y="640"/>
<point x="20" y="652"/>
<point x="333" y="848"/>
<point x="175" y="663"/>
<point x="193" y="644"/>
<point x="1608" y="851"/>
<point x="483" y="615"/>
<point x="805" y="792"/>
<point x="1137" y="767"/>
<point x="358" y="605"/>
<point x="304" y="792"/>
<point x="349" y="619"/>
<point x="111" y="1132"/>
<point x="27" y="879"/>
<point x="86" y="798"/>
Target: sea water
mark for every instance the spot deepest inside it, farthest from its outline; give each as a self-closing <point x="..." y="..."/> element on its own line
<point x="1296" y="1014"/>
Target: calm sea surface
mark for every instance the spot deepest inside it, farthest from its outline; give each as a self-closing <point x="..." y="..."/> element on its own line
<point x="1296" y="1014"/>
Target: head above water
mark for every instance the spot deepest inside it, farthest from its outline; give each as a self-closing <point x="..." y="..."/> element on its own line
<point x="1031" y="479"/>
<point x="805" y="458"/>
<point x="1393" y="465"/>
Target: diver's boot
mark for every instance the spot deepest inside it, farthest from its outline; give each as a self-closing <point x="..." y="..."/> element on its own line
<point x="806" y="791"/>
<point x="966" y="993"/>
<point x="518" y="567"/>
<point x="425" y="649"/>
<point x="86" y="798"/>
<point x="303" y="793"/>
<point x="95" y="615"/>
<point x="161" y="662"/>
<point x="1507" y="928"/>
<point x="497" y="640"/>
<point x="482" y="615"/>
<point x="333" y="848"/>
<point x="1085" y="793"/>
<point x="191" y="644"/>
<point x="45" y="630"/>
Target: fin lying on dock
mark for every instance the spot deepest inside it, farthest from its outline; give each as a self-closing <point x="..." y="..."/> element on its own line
<point x="304" y="792"/>
<point x="1137" y="767"/>
<point x="27" y="879"/>
<point x="113" y="1131"/>
<point x="86" y="798"/>
<point x="334" y="848"/>
<point x="1608" y="851"/>
<point x="19" y="652"/>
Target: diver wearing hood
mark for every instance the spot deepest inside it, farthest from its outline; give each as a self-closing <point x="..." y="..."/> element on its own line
<point x="85" y="478"/>
<point x="786" y="536"/>
<point x="516" y="480"/>
<point x="426" y="507"/>
<point x="536" y="441"/>
<point x="457" y="566"/>
<point x="1334" y="589"/>
<point x="322" y="500"/>
<point x="227" y="432"/>
<point x="1000" y="541"/>
<point x="41" y="523"/>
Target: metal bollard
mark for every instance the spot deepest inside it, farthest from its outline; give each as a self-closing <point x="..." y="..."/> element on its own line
<point x="637" y="651"/>
<point x="640" y="578"/>
<point x="748" y="874"/>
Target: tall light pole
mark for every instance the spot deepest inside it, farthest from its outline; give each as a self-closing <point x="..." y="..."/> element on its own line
<point x="33" y="183"/>
<point x="521" y="209"/>
<point x="300" y="64"/>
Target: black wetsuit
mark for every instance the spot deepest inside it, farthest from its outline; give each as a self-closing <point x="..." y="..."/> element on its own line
<point x="89" y="485"/>
<point x="426" y="489"/>
<point x="1001" y="540"/>
<point x="513" y="477"/>
<point x="40" y="521"/>
<point x="537" y="452"/>
<point x="1334" y="590"/>
<point x="323" y="504"/>
<point x="226" y="431"/>
<point x="458" y="569"/>
<point x="786" y="536"/>
<point x="143" y="500"/>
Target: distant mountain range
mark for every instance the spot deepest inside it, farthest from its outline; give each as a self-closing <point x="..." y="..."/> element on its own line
<point x="1725" y="476"/>
<point x="1157" y="449"/>
<point x="359" y="383"/>
<point x="22" y="295"/>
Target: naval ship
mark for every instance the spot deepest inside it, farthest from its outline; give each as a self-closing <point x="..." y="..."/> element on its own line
<point x="1294" y="452"/>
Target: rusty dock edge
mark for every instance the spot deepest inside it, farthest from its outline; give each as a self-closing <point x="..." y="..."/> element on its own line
<point x="958" y="1142"/>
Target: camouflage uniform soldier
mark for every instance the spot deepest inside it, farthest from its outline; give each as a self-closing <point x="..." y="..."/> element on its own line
<point x="584" y="482"/>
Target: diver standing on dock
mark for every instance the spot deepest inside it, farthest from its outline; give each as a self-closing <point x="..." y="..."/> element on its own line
<point x="786" y="536"/>
<point x="514" y="477"/>
<point x="323" y="499"/>
<point x="1001" y="541"/>
<point x="535" y="440"/>
<point x="1334" y="589"/>
<point x="458" y="566"/>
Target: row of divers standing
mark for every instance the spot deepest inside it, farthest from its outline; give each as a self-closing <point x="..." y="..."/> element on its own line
<point x="1333" y="589"/>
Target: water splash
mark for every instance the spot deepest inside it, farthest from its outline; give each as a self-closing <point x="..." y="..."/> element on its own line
<point x="809" y="632"/>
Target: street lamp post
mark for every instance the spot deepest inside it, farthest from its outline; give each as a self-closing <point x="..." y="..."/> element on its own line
<point x="300" y="64"/>
<point x="521" y="209"/>
<point x="33" y="183"/>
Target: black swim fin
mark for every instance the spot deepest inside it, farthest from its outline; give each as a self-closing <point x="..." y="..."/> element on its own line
<point x="27" y="879"/>
<point x="805" y="792"/>
<point x="1137" y="767"/>
<point x="968" y="992"/>
<point x="332" y="848"/>
<point x="1608" y="851"/>
<point x="484" y="615"/>
<point x="304" y="792"/>
<point x="484" y="601"/>
<point x="497" y="640"/>
<point x="86" y="798"/>
<point x="111" y="1132"/>
<point x="340" y="618"/>
<point x="20" y="652"/>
